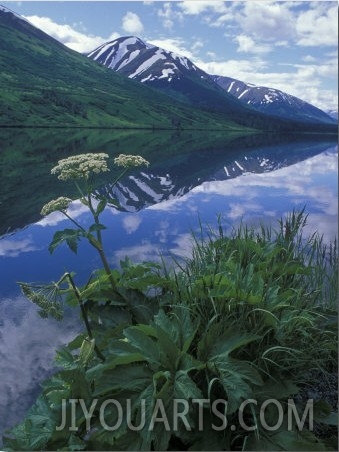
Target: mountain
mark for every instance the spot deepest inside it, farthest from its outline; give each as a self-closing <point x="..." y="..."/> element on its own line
<point x="175" y="75"/>
<point x="149" y="64"/>
<point x="44" y="83"/>
<point x="271" y="101"/>
<point x="179" y="77"/>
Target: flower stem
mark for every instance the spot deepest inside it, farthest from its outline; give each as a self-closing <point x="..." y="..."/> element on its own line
<point x="100" y="247"/>
<point x="84" y="315"/>
<point x="73" y="221"/>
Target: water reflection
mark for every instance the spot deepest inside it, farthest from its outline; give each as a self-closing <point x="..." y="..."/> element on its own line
<point x="179" y="161"/>
<point x="137" y="191"/>
<point x="27" y="349"/>
<point x="159" y="207"/>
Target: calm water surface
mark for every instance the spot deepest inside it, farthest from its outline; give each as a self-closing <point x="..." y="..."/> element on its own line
<point x="192" y="178"/>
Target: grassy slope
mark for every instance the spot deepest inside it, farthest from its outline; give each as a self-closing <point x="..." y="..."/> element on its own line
<point x="43" y="83"/>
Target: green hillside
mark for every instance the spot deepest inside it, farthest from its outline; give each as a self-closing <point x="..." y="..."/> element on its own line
<point x="43" y="83"/>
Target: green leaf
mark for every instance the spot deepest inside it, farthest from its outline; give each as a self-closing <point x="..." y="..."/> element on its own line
<point x="86" y="351"/>
<point x="93" y="241"/>
<point x="132" y="377"/>
<point x="185" y="388"/>
<point x="70" y="236"/>
<point x="96" y="227"/>
<point x="37" y="430"/>
<point x="101" y="206"/>
<point x="231" y="341"/>
<point x="65" y="359"/>
<point x="143" y="343"/>
<point x="237" y="378"/>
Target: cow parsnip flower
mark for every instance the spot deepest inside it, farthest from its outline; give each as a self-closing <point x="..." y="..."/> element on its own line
<point x="81" y="166"/>
<point x="59" y="204"/>
<point x="128" y="161"/>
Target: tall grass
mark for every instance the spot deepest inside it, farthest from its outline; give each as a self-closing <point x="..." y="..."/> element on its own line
<point x="274" y="282"/>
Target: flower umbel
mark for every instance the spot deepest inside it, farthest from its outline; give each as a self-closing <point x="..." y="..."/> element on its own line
<point x="128" y="161"/>
<point x="59" y="204"/>
<point x="81" y="166"/>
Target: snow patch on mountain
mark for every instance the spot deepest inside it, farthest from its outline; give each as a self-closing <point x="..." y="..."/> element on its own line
<point x="163" y="69"/>
<point x="148" y="63"/>
<point x="271" y="100"/>
<point x="143" y="61"/>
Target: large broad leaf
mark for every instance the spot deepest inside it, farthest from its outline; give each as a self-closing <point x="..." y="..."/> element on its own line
<point x="185" y="388"/>
<point x="38" y="431"/>
<point x="220" y="343"/>
<point x="132" y="377"/>
<point x="70" y="236"/>
<point x="237" y="378"/>
<point x="178" y="325"/>
<point x="143" y="343"/>
<point x="169" y="352"/>
<point x="142" y="307"/>
<point x="230" y="341"/>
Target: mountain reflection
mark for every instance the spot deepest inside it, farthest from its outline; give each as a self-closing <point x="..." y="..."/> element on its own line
<point x="138" y="191"/>
<point x="179" y="162"/>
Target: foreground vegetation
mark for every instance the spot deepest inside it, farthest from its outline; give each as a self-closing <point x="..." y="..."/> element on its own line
<point x="250" y="317"/>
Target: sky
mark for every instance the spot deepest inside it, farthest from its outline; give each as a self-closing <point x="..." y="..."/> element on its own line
<point x="288" y="45"/>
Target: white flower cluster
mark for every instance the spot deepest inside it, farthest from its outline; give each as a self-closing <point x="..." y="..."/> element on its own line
<point x="81" y="166"/>
<point x="60" y="204"/>
<point x="128" y="161"/>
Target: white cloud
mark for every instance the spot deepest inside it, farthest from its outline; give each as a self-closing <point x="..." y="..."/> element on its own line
<point x="70" y="37"/>
<point x="168" y="15"/>
<point x="247" y="45"/>
<point x="131" y="23"/>
<point x="176" y="45"/>
<point x="183" y="245"/>
<point x="238" y="210"/>
<point x="220" y="21"/>
<point x="267" y="20"/>
<point x="191" y="7"/>
<point x="239" y="69"/>
<point x="143" y="252"/>
<point x="27" y="349"/>
<point x="131" y="223"/>
<point x="318" y="26"/>
<point x="12" y="248"/>
<point x="309" y="59"/>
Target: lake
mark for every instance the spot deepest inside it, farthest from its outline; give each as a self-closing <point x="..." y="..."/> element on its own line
<point x="193" y="178"/>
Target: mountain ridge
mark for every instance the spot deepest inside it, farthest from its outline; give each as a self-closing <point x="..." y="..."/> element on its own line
<point x="44" y="83"/>
<point x="167" y="71"/>
<point x="270" y="100"/>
